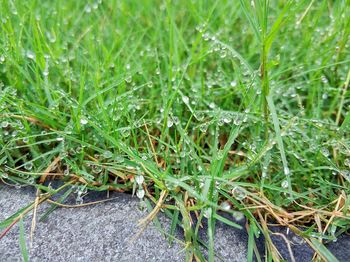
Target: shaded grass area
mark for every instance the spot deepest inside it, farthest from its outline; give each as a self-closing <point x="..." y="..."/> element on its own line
<point x="197" y="106"/>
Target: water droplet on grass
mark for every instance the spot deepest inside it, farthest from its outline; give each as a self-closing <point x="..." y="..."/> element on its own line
<point x="28" y="166"/>
<point x="140" y="193"/>
<point x="208" y="212"/>
<point x="139" y="179"/>
<point x="237" y="215"/>
<point x="170" y="123"/>
<point x="128" y="79"/>
<point x="237" y="121"/>
<point x="125" y="132"/>
<point x="107" y="154"/>
<point x="30" y="54"/>
<point x="286" y="171"/>
<point x="233" y="83"/>
<point x="239" y="193"/>
<point x="347" y="162"/>
<point x="4" y="175"/>
<point x="203" y="127"/>
<point x="87" y="9"/>
<point x="285" y="184"/>
<point x="4" y="124"/>
<point x="185" y="99"/>
<point x="225" y="206"/>
<point x="325" y="151"/>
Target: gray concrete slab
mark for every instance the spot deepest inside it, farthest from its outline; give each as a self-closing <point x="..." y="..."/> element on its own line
<point x="102" y="232"/>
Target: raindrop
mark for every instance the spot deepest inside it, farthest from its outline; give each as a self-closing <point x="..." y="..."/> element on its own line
<point x="107" y="154"/>
<point x="185" y="99"/>
<point x="150" y="84"/>
<point x="4" y="175"/>
<point x="226" y="120"/>
<point x="203" y="127"/>
<point x="125" y="132"/>
<point x="286" y="171"/>
<point x="325" y="151"/>
<point x="285" y="184"/>
<point x="83" y="121"/>
<point x="225" y="206"/>
<point x="223" y="53"/>
<point x="79" y="200"/>
<point x="169" y="123"/>
<point x="4" y="124"/>
<point x="139" y="179"/>
<point x="176" y="120"/>
<point x="199" y="116"/>
<point x="128" y="79"/>
<point x="238" y="193"/>
<point x="208" y="212"/>
<point x="88" y="9"/>
<point x="237" y="121"/>
<point x="66" y="172"/>
<point x="237" y="215"/>
<point x="28" y="166"/>
<point x="140" y="193"/>
<point x="30" y="54"/>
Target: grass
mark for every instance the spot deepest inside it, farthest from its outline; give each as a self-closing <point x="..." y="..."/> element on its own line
<point x="198" y="107"/>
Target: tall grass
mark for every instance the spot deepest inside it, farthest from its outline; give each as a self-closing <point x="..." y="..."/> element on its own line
<point x="199" y="107"/>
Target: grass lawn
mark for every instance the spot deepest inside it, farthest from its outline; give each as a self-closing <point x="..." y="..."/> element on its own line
<point x="195" y="107"/>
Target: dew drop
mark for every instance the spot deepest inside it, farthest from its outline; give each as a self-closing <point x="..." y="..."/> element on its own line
<point x="66" y="172"/>
<point x="107" y="154"/>
<point x="286" y="171"/>
<point x="28" y="166"/>
<point x="140" y="193"/>
<point x="30" y="54"/>
<point x="83" y="121"/>
<point x="325" y="151"/>
<point x="347" y="162"/>
<point x="285" y="184"/>
<point x="170" y="123"/>
<point x="225" y="206"/>
<point x="238" y="193"/>
<point x="139" y="179"/>
<point x="185" y="99"/>
<point x="4" y="124"/>
<point x="233" y="83"/>
<point x="125" y="132"/>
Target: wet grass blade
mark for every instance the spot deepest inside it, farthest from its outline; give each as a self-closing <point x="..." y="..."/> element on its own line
<point x="22" y="241"/>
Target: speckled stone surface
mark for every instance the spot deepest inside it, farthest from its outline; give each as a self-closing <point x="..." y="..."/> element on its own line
<point x="100" y="232"/>
<point x="103" y="232"/>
